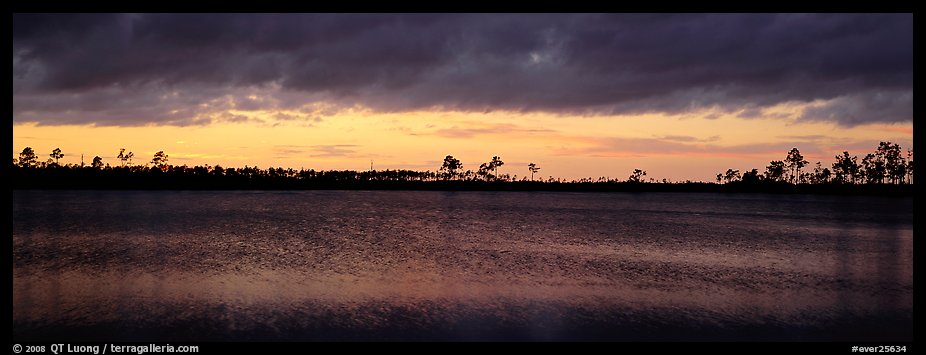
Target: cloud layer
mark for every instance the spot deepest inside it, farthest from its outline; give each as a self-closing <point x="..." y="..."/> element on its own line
<point x="122" y="69"/>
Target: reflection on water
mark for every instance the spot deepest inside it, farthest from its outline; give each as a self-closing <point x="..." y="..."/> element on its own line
<point x="118" y="265"/>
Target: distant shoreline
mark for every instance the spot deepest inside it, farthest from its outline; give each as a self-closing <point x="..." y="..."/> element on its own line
<point x="38" y="183"/>
<point x="886" y="172"/>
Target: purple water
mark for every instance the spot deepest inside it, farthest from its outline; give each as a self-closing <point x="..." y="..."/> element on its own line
<point x="359" y="265"/>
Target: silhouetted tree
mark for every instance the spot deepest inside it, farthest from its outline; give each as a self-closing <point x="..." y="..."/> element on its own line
<point x="125" y="157"/>
<point x="56" y="154"/>
<point x="160" y="160"/>
<point x="533" y="168"/>
<point x="97" y="162"/>
<point x="825" y="175"/>
<point x="795" y="162"/>
<point x="894" y="165"/>
<point x="27" y="158"/>
<point x="488" y="171"/>
<point x="846" y="168"/>
<point x="731" y="175"/>
<point x="636" y="176"/>
<point x="820" y="174"/>
<point x="495" y="163"/>
<point x="775" y="171"/>
<point x="719" y="178"/>
<point x="874" y="168"/>
<point x="483" y="171"/>
<point x="450" y="167"/>
<point x="752" y="177"/>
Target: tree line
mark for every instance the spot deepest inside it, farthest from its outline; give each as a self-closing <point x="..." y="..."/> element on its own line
<point x="887" y="165"/>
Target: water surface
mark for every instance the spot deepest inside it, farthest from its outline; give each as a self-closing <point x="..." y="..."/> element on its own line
<point x="358" y="265"/>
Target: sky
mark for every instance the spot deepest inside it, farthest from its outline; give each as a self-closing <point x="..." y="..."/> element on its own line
<point x="682" y="96"/>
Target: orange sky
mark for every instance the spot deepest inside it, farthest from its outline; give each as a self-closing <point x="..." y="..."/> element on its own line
<point x="693" y="146"/>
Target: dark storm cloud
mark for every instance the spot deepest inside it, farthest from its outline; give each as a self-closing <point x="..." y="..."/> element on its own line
<point x="859" y="108"/>
<point x="123" y="69"/>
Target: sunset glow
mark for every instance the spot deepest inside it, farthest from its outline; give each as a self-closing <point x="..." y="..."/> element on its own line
<point x="672" y="147"/>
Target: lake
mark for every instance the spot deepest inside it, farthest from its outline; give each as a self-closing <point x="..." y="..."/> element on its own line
<point x="426" y="265"/>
